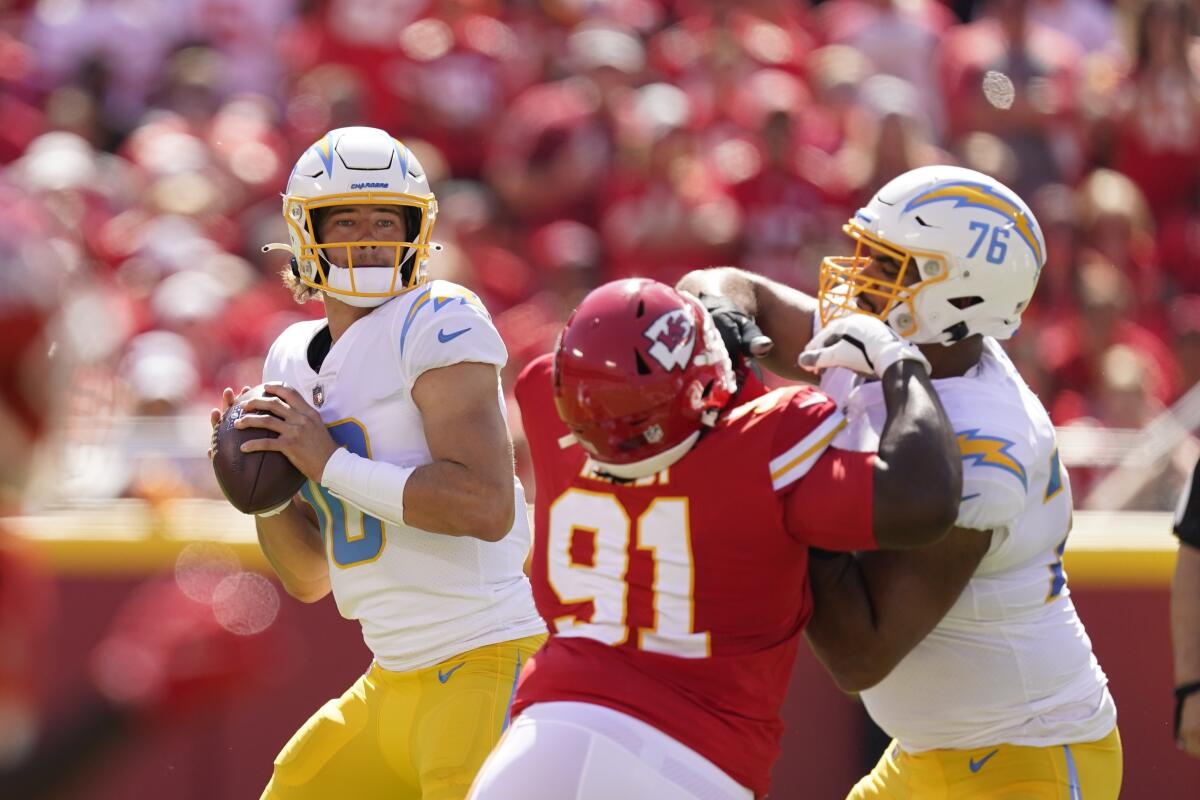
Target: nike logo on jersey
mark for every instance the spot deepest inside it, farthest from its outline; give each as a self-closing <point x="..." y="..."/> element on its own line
<point x="445" y="676"/>
<point x="975" y="766"/>
<point x="444" y="337"/>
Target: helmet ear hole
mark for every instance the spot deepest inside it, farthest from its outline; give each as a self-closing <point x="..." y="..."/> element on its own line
<point x="957" y="332"/>
<point x="965" y="302"/>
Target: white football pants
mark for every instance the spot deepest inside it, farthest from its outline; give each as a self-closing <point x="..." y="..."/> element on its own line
<point x="583" y="751"/>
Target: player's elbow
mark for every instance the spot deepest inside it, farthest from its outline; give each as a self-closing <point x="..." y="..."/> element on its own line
<point x="492" y="531"/>
<point x="914" y="513"/>
<point x="492" y="514"/>
<point x="307" y="592"/>
<point x="856" y="678"/>
<point x="931" y="520"/>
<point x="855" y="669"/>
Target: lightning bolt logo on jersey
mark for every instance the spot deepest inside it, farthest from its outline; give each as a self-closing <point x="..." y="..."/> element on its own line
<point x="990" y="451"/>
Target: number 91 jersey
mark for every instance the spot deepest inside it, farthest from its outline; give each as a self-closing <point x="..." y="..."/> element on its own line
<point x="420" y="597"/>
<point x="679" y="599"/>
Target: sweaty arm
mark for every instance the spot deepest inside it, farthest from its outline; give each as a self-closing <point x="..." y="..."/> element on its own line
<point x="292" y="543"/>
<point x="467" y="490"/>
<point x="784" y="314"/>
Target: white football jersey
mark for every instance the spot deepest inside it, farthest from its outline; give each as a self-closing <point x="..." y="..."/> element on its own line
<point x="421" y="597"/>
<point x="1011" y="661"/>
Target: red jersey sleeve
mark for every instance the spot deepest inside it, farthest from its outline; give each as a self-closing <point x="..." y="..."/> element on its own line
<point x="807" y="424"/>
<point x="832" y="507"/>
<point x="534" y="391"/>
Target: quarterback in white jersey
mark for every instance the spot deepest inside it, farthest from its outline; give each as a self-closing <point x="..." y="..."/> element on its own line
<point x="968" y="653"/>
<point x="411" y="514"/>
<point x="421" y="597"/>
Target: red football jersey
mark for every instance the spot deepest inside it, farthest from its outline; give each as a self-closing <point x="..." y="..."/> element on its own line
<point x="679" y="599"/>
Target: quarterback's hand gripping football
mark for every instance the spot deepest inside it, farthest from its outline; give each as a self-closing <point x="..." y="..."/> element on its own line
<point x="228" y="398"/>
<point x="860" y="343"/>
<point x="303" y="437"/>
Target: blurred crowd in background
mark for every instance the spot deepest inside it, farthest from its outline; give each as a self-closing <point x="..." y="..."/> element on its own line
<point x="145" y="144"/>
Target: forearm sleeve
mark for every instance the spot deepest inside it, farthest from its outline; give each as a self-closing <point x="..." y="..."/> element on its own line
<point x="375" y="487"/>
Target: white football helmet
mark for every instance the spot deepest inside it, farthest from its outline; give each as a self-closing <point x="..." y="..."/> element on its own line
<point x="976" y="247"/>
<point x="359" y="166"/>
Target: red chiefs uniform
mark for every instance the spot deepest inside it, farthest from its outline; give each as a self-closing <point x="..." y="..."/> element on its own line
<point x="679" y="599"/>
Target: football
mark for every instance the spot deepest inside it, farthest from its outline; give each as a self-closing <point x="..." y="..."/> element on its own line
<point x="252" y="482"/>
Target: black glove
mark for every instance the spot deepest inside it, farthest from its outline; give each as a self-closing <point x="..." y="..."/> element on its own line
<point x="743" y="338"/>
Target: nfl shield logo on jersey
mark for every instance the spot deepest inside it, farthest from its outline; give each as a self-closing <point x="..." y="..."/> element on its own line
<point x="671" y="336"/>
<point x="318" y="395"/>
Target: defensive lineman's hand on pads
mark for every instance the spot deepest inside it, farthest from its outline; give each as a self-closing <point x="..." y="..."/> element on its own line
<point x="861" y="343"/>
<point x="742" y="336"/>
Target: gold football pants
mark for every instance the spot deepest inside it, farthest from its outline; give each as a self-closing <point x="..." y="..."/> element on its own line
<point x="1084" y="771"/>
<point x="419" y="735"/>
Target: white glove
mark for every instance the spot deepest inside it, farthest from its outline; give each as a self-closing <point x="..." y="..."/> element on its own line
<point x="860" y="343"/>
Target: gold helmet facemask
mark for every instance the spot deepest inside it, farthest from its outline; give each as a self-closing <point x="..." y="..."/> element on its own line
<point x="313" y="266"/>
<point x="843" y="282"/>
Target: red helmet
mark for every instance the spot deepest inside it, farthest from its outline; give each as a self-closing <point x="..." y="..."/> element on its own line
<point x="640" y="369"/>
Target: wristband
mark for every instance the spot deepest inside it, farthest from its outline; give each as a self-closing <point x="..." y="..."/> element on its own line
<point x="375" y="487"/>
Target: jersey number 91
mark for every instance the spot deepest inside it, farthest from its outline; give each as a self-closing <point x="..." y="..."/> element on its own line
<point x="582" y="520"/>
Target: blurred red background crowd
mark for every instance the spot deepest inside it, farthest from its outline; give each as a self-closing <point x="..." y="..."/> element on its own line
<point x="145" y="144"/>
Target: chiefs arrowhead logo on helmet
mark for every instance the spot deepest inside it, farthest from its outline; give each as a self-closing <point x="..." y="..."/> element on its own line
<point x="671" y="339"/>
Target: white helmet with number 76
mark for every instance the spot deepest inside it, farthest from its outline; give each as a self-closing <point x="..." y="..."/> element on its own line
<point x="359" y="166"/>
<point x="968" y="251"/>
